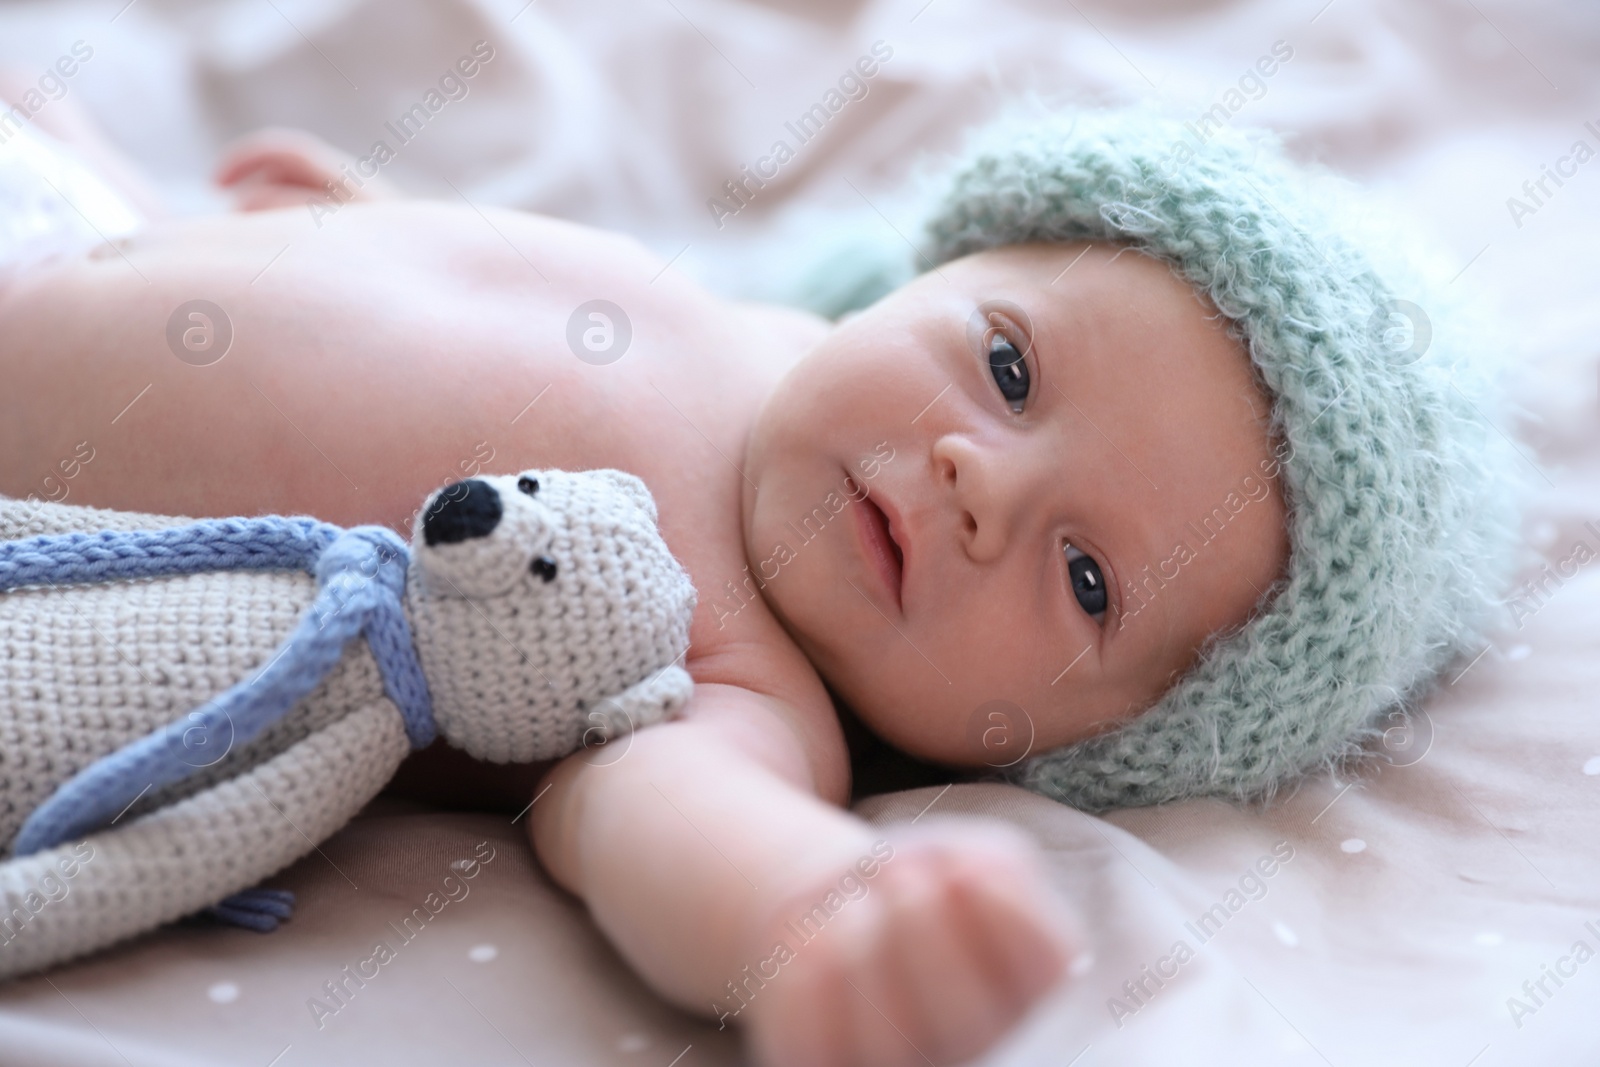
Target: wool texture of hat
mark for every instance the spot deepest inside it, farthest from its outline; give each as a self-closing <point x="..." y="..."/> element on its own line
<point x="1403" y="495"/>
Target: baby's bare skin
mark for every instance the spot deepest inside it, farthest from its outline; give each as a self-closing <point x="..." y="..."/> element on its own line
<point x="381" y="355"/>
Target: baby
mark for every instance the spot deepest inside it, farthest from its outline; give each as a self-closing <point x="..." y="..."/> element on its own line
<point x="1042" y="509"/>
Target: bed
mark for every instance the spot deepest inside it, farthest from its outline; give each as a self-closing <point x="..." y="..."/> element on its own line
<point x="1439" y="905"/>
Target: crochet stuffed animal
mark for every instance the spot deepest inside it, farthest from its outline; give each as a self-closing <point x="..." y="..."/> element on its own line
<point x="185" y="708"/>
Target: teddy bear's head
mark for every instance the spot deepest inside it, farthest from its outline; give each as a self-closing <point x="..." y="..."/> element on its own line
<point x="547" y="612"/>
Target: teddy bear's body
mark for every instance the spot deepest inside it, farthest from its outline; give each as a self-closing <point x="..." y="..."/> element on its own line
<point x="556" y="620"/>
<point x="91" y="668"/>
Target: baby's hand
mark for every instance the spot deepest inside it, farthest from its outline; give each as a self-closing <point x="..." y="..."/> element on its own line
<point x="274" y="168"/>
<point x="957" y="936"/>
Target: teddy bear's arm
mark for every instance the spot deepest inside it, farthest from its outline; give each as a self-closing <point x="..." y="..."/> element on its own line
<point x="658" y="697"/>
<point x="177" y="860"/>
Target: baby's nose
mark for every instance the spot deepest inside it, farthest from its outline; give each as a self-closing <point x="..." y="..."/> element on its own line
<point x="460" y="511"/>
<point x="986" y="490"/>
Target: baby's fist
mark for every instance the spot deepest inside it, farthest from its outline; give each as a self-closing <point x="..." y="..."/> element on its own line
<point x="955" y="938"/>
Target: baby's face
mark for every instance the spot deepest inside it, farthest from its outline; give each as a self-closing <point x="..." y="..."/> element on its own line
<point x="1066" y="484"/>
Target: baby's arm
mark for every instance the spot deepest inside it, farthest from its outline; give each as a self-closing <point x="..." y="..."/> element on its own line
<point x="697" y="847"/>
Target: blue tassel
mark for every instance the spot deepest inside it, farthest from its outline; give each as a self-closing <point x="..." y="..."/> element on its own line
<point x="258" y="909"/>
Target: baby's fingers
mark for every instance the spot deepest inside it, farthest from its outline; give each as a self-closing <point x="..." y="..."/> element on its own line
<point x="282" y="157"/>
<point x="954" y="1007"/>
<point x="1019" y="932"/>
<point x="274" y="167"/>
<point x="884" y="1026"/>
<point x="807" y="1023"/>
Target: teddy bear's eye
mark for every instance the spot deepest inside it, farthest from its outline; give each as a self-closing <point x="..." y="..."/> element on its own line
<point x="544" y="567"/>
<point x="528" y="485"/>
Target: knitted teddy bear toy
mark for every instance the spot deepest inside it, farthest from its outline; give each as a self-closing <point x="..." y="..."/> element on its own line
<point x="185" y="708"/>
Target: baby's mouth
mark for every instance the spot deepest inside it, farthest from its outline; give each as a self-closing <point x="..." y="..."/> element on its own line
<point x="882" y="551"/>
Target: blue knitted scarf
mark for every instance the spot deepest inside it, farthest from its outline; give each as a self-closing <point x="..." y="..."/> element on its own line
<point x="361" y="574"/>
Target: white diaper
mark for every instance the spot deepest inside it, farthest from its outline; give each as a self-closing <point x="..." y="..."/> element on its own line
<point x="51" y="203"/>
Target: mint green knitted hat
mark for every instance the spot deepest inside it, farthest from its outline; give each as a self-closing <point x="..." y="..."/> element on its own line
<point x="1401" y="496"/>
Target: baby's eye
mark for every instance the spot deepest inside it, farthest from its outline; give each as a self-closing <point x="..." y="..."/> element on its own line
<point x="1010" y="372"/>
<point x="1088" y="584"/>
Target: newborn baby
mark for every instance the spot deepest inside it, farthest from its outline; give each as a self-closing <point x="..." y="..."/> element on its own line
<point x="960" y="509"/>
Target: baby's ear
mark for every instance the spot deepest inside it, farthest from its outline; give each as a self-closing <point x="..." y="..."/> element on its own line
<point x="630" y="485"/>
<point x="656" y="698"/>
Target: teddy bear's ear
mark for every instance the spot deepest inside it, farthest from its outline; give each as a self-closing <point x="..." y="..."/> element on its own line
<point x="631" y="486"/>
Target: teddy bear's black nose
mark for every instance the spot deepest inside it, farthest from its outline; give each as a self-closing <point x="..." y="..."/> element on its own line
<point x="462" y="510"/>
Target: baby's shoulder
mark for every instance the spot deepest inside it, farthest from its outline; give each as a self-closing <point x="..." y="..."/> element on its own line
<point x="753" y="677"/>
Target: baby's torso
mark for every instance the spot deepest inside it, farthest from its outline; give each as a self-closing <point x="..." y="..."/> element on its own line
<point x="368" y="361"/>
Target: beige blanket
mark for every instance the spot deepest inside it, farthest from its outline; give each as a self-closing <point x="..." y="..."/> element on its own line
<point x="1442" y="907"/>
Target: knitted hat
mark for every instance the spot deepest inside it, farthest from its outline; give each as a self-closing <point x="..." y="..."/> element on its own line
<point x="1400" y="493"/>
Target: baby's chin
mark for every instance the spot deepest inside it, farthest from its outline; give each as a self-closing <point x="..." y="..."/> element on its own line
<point x="884" y="712"/>
<point x="841" y="677"/>
<point x="889" y="723"/>
<point x="910" y="718"/>
<point x="968" y="730"/>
